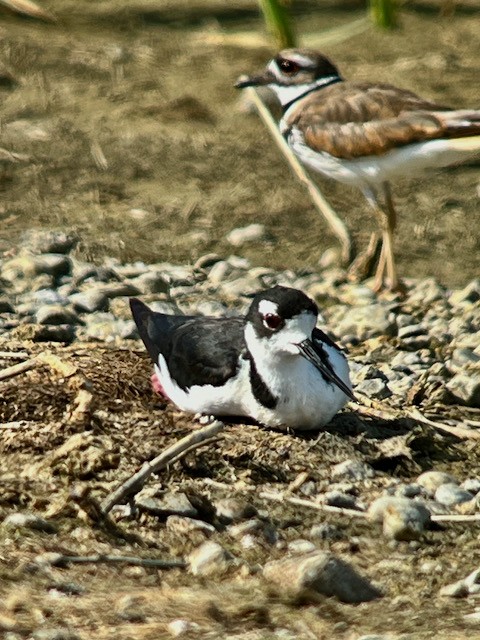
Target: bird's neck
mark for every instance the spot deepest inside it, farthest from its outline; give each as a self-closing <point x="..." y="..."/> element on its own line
<point x="288" y="95"/>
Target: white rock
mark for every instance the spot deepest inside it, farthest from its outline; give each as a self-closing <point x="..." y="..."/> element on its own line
<point x="208" y="559"/>
<point x="242" y="235"/>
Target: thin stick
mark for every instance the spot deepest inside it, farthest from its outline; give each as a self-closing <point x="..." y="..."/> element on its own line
<point x="337" y="227"/>
<point x="460" y="432"/>
<point x="280" y="497"/>
<point x="456" y="517"/>
<point x="62" y="560"/>
<point x="18" y="369"/>
<point x="176" y="451"/>
<point x="14" y="355"/>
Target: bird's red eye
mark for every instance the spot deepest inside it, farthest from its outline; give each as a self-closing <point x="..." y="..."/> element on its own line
<point x="272" y="321"/>
<point x="287" y="66"/>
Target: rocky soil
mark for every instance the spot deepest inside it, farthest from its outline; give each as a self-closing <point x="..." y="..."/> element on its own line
<point x="368" y="527"/>
<point x="129" y="167"/>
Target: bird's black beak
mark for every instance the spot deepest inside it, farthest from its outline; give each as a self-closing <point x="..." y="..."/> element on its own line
<point x="255" y="81"/>
<point x="307" y="350"/>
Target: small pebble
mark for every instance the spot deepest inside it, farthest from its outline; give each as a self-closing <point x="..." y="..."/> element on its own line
<point x="208" y="559"/>
<point x="352" y="470"/>
<point x="431" y="480"/>
<point x="451" y="494"/>
<point x="243" y="235"/>
<point x="29" y="521"/>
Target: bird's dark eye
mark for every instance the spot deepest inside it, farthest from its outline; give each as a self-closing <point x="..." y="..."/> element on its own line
<point x="287" y="66"/>
<point x="272" y="321"/>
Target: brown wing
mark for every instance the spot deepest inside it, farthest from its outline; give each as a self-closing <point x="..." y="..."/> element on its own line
<point x="353" y="119"/>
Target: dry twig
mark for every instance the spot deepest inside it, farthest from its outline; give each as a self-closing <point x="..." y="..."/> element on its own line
<point x="14" y="355"/>
<point x="280" y="497"/>
<point x="337" y="227"/>
<point x="92" y="509"/>
<point x="18" y="369"/>
<point x="459" y="432"/>
<point x="175" y="452"/>
<point x="63" y="560"/>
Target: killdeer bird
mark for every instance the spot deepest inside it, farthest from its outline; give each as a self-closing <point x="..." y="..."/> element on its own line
<point x="364" y="134"/>
<point x="273" y="365"/>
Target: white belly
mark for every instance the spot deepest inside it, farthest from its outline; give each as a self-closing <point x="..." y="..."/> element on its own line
<point x="370" y="170"/>
<point x="305" y="400"/>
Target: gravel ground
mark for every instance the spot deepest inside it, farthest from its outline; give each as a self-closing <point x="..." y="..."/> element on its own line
<point x="268" y="534"/>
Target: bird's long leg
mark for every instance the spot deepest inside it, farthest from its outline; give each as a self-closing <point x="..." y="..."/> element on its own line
<point x="362" y="266"/>
<point x="393" y="281"/>
<point x="386" y="274"/>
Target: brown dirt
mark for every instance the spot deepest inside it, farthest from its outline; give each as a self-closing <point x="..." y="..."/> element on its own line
<point x="163" y="113"/>
<point x="44" y="452"/>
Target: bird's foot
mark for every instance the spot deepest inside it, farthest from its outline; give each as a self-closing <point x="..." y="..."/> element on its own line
<point x="386" y="286"/>
<point x="363" y="265"/>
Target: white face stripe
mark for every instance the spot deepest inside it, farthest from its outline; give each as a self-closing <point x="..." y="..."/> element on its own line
<point x="284" y="341"/>
<point x="267" y="306"/>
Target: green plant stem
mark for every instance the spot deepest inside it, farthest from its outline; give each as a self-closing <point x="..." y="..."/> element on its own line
<point x="384" y="13"/>
<point x="278" y="23"/>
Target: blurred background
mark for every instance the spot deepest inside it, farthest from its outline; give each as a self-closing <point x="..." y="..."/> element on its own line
<point x="120" y="123"/>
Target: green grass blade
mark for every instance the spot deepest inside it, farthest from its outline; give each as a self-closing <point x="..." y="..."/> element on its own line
<point x="278" y="23"/>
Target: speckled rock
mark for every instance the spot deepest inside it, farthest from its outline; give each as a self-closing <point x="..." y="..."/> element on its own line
<point x="451" y="494"/>
<point x="402" y="519"/>
<point x="89" y="301"/>
<point x="431" y="480"/>
<point x="28" y="521"/>
<point x="465" y="388"/>
<point x="317" y="573"/>
<point x="352" y="470"/>
<point x="165" y="504"/>
<point x="363" y="322"/>
<point x="300" y="547"/>
<point x="182" y="525"/>
<point x="375" y="389"/>
<point x="56" y="314"/>
<point x="230" y="510"/>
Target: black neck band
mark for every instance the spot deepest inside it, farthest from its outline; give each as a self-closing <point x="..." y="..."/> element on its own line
<point x="316" y="87"/>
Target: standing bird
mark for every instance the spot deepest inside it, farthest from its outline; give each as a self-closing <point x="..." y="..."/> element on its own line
<point x="274" y="365"/>
<point x="364" y="134"/>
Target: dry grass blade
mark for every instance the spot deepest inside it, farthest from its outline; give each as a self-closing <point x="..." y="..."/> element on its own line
<point x="337" y="227"/>
<point x="173" y="453"/>
<point x="29" y="8"/>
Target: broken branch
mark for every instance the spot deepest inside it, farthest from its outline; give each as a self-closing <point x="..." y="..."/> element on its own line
<point x="175" y="452"/>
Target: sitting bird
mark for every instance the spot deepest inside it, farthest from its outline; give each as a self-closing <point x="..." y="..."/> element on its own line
<point x="273" y="365"/>
<point x="364" y="134"/>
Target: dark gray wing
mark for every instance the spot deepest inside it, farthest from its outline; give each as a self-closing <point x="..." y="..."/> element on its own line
<point x="198" y="350"/>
